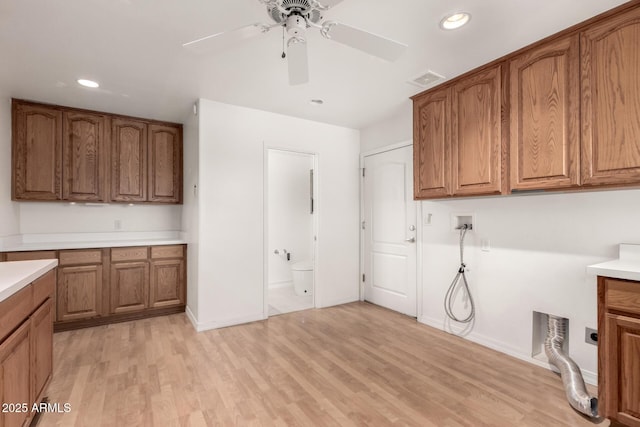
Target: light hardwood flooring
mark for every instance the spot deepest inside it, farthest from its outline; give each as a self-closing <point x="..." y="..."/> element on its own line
<point x="355" y="364"/>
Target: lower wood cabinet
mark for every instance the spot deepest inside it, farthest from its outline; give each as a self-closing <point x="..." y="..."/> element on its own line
<point x="619" y="350"/>
<point x="106" y="285"/>
<point x="167" y="284"/>
<point x="26" y="349"/>
<point x="129" y="286"/>
<point x="15" y="376"/>
<point x="41" y="347"/>
<point x="79" y="286"/>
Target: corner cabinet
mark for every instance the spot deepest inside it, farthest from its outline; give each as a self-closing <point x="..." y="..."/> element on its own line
<point x="67" y="154"/>
<point x="545" y="116"/>
<point x="619" y="350"/>
<point x="458" y="138"/>
<point x="611" y="100"/>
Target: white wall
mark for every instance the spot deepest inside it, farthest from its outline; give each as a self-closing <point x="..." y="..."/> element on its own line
<point x="58" y="217"/>
<point x="231" y="207"/>
<point x="290" y="223"/>
<point x="540" y="247"/>
<point x="9" y="224"/>
<point x="190" y="211"/>
<point x="397" y="128"/>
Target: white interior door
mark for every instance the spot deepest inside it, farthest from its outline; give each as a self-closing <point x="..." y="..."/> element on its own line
<point x="390" y="230"/>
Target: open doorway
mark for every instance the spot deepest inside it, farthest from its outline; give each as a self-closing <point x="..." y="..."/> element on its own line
<point x="290" y="208"/>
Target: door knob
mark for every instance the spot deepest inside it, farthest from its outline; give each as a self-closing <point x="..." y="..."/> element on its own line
<point x="410" y="240"/>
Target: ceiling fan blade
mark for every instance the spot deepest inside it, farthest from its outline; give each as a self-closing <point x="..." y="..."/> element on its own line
<point x="226" y="39"/>
<point x="365" y="41"/>
<point x="298" y="63"/>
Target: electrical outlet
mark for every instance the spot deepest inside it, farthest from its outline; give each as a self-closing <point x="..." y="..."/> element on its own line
<point x="591" y="336"/>
<point x="117" y="224"/>
<point x="485" y="244"/>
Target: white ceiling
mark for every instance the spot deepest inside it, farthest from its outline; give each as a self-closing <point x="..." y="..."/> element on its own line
<point x="134" y="49"/>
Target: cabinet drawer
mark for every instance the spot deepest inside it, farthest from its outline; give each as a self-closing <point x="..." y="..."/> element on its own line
<point x="44" y="287"/>
<point x="93" y="256"/>
<point x="623" y="296"/>
<point x="27" y="256"/>
<point x="174" y="251"/>
<point x="14" y="310"/>
<point x="129" y="254"/>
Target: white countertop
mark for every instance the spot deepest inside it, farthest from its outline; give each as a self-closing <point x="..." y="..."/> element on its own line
<point x="627" y="266"/>
<point x="18" y="274"/>
<point x="45" y="246"/>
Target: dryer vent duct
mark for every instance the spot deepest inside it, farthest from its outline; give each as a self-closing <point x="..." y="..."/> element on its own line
<point x="574" y="386"/>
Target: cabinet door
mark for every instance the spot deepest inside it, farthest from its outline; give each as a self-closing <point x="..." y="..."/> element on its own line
<point x="15" y="376"/>
<point x="611" y="100"/>
<point x="37" y="152"/>
<point x="79" y="292"/>
<point x="476" y="133"/>
<point x="128" y="160"/>
<point x="622" y="368"/>
<point x="545" y="114"/>
<point x="85" y="157"/>
<point x="167" y="283"/>
<point x="129" y="286"/>
<point x="41" y="349"/>
<point x="431" y="145"/>
<point x="165" y="164"/>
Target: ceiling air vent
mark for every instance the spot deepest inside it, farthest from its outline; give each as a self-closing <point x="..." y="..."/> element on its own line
<point x="426" y="79"/>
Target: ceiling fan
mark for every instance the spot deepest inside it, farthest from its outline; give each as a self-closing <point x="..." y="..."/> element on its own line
<point x="296" y="16"/>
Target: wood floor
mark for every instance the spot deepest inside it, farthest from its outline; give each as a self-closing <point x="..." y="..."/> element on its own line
<point x="355" y="364"/>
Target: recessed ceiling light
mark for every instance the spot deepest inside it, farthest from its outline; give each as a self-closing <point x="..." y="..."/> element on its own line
<point x="88" y="83"/>
<point x="316" y="102"/>
<point x="456" y="20"/>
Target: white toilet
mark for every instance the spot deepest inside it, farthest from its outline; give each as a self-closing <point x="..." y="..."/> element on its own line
<point x="302" y="273"/>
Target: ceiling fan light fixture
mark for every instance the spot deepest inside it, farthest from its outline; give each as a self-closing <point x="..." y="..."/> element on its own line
<point x="455" y="20"/>
<point x="88" y="83"/>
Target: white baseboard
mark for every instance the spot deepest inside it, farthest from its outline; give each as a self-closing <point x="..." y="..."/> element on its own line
<point x="589" y="377"/>
<point x="191" y="317"/>
<point x="216" y="324"/>
<point x="332" y="303"/>
<point x="278" y="285"/>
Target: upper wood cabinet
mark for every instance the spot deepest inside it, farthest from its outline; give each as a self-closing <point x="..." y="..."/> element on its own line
<point x="165" y="160"/>
<point x="36" y="152"/>
<point x="610" y="60"/>
<point x="432" y="145"/>
<point x="85" y="153"/>
<point x="458" y="138"/>
<point x="61" y="153"/>
<point x="545" y="114"/>
<point x="476" y="133"/>
<point x="567" y="108"/>
<point x="128" y="160"/>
